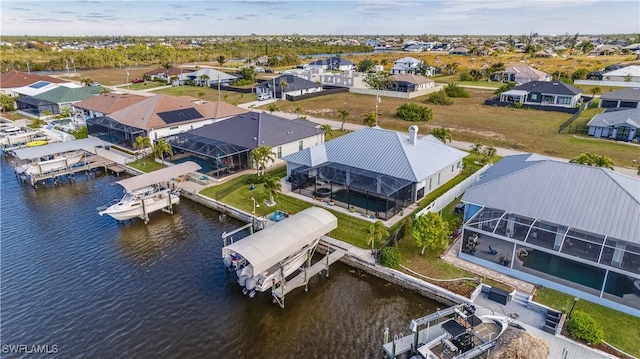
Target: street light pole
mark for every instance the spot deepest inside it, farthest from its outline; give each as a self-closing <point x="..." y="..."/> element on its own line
<point x="575" y="300"/>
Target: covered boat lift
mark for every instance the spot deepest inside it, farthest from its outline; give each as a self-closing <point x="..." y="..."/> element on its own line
<point x="270" y="249"/>
<point x="158" y="176"/>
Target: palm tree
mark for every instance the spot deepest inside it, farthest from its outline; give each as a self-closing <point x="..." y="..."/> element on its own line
<point x="221" y="60"/>
<point x="283" y="86"/>
<point x="375" y="233"/>
<point x="603" y="161"/>
<point x="344" y="114"/>
<point x="370" y="119"/>
<point x="200" y="95"/>
<point x="327" y="129"/>
<point x="441" y="133"/>
<point x="489" y="152"/>
<point x="584" y="159"/>
<point x="173" y="79"/>
<point x="298" y="110"/>
<point x="262" y="155"/>
<point x="476" y="149"/>
<point x="86" y="81"/>
<point x="203" y="80"/>
<point x="161" y="148"/>
<point x="142" y="142"/>
<point x="273" y="107"/>
<point x="272" y="185"/>
<point x="595" y="91"/>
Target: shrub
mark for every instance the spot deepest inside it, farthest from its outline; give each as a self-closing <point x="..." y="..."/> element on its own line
<point x="244" y="82"/>
<point x="453" y="90"/>
<point x="465" y="77"/>
<point x="439" y="98"/>
<point x="581" y="325"/>
<point x="506" y="87"/>
<point x="414" y="112"/>
<point x="390" y="257"/>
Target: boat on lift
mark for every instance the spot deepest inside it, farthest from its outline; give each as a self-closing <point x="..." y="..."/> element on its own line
<point x="145" y="195"/>
<point x="49" y="164"/>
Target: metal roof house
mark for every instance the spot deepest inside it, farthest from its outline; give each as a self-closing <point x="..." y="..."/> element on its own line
<point x="374" y="171"/>
<point x="224" y="147"/>
<point x="521" y="74"/>
<point x="158" y="116"/>
<point x="333" y="63"/>
<point x="9" y="81"/>
<point x="565" y="226"/>
<point x="616" y="123"/>
<point x="55" y="99"/>
<point x="544" y="93"/>
<point x="295" y="86"/>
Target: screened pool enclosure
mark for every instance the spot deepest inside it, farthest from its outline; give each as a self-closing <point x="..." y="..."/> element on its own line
<point x="373" y="194"/>
<point x="114" y="132"/>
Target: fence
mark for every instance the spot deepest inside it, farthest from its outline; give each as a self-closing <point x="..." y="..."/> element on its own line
<point x="238" y="89"/>
<point x="607" y="83"/>
<point x="568" y="122"/>
<point x="577" y="130"/>
<point x="453" y="193"/>
<point x="326" y="90"/>
<point x="533" y="107"/>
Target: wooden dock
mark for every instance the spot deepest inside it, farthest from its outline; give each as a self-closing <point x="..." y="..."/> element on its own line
<point x="280" y="290"/>
<point x="89" y="163"/>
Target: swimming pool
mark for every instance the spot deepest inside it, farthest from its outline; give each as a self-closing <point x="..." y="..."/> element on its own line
<point x="206" y="165"/>
<point x="565" y="268"/>
<point x="361" y="200"/>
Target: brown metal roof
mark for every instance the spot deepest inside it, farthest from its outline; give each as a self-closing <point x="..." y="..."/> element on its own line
<point x="18" y="79"/>
<point x="109" y="102"/>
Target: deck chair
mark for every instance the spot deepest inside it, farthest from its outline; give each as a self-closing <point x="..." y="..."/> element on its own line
<point x="492" y="251"/>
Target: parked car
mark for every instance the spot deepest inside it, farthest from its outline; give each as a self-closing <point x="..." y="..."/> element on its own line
<point x="137" y="81"/>
<point x="269" y="71"/>
<point x="95" y="84"/>
<point x="264" y="96"/>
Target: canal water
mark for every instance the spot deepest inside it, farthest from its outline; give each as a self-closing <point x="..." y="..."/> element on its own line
<point x="92" y="287"/>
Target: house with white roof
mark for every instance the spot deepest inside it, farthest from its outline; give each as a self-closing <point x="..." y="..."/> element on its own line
<point x="565" y="226"/>
<point x="406" y="65"/>
<point x="206" y="77"/>
<point x="521" y="74"/>
<point x="622" y="124"/>
<point x="374" y="171"/>
<point x="625" y="74"/>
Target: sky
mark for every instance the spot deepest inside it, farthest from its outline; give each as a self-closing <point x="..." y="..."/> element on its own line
<point x="313" y="17"/>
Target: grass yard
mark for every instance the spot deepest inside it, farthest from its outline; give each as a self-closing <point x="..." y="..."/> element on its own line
<point x="455" y="78"/>
<point x="470" y="120"/>
<point x="14" y="116"/>
<point x="146" y="164"/>
<point x="210" y="94"/>
<point x="586" y="116"/>
<point x="620" y="330"/>
<point x="144" y="85"/>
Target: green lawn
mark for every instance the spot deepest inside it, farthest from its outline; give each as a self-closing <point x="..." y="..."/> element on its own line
<point x="450" y="79"/>
<point x="146" y="165"/>
<point x="210" y="94"/>
<point x="620" y="330"/>
<point x="13" y="116"/>
<point x="144" y="85"/>
<point x="586" y="116"/>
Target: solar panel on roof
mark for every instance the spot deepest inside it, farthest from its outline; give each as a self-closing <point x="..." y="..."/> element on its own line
<point x="40" y="84"/>
<point x="180" y="115"/>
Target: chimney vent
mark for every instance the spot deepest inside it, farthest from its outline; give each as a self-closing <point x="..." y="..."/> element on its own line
<point x="413" y="134"/>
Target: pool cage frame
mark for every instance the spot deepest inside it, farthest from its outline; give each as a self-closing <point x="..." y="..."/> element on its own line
<point x="114" y="132"/>
<point x="384" y="196"/>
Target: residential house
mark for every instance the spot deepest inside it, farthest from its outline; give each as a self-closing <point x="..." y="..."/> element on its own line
<point x="224" y="147"/>
<point x="410" y="83"/>
<point x="624" y="74"/>
<point x="333" y="64"/>
<point x="521" y="74"/>
<point x="629" y="97"/>
<point x="295" y="86"/>
<point x="604" y="50"/>
<point x="406" y="65"/>
<point x="211" y="78"/>
<point x="460" y="50"/>
<point x="412" y="48"/>
<point x="54" y="100"/>
<point x="622" y="124"/>
<point x="104" y="104"/>
<point x="546" y="53"/>
<point x="16" y="79"/>
<point x="544" y="93"/>
<point x="374" y="171"/>
<point x="166" y="74"/>
<point x="564" y="226"/>
<point x="158" y="116"/>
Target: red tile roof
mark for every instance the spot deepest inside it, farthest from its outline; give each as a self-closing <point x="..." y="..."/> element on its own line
<point x="18" y="79"/>
<point x="109" y="102"/>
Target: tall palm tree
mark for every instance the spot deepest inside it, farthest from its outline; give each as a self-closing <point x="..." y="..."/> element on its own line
<point x="327" y="129"/>
<point x="344" y="114"/>
<point x="273" y="107"/>
<point x="203" y="80"/>
<point x="283" y="86"/>
<point x="370" y="119"/>
<point x="375" y="233"/>
<point x="476" y="149"/>
<point x="298" y="110"/>
<point x="441" y="133"/>
<point x="595" y="91"/>
<point x="262" y="155"/>
<point x="161" y="148"/>
<point x="142" y="142"/>
<point x="221" y="60"/>
<point x="272" y="185"/>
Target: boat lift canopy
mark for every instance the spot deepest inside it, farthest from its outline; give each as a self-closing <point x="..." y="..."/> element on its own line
<point x="275" y="243"/>
<point x="158" y="176"/>
<point x="87" y="144"/>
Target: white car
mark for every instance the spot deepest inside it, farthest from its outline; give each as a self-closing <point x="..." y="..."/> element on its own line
<point x="264" y="96"/>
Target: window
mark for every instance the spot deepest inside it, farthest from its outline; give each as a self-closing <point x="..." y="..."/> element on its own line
<point x="438" y="179"/>
<point x="451" y="168"/>
<point x="458" y="165"/>
<point x="564" y="100"/>
<point x="173" y="128"/>
<point x="300" y="145"/>
<point x="279" y="151"/>
<point x="430" y="183"/>
<point x="534" y="96"/>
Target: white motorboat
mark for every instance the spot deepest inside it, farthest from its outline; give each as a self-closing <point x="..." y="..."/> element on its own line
<point x="138" y="202"/>
<point x="144" y="195"/>
<point x="43" y="166"/>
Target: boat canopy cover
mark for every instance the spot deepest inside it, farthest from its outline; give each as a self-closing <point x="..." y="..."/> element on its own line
<point x="453" y="328"/>
<point x="87" y="144"/>
<point x="158" y="176"/>
<point x="276" y="242"/>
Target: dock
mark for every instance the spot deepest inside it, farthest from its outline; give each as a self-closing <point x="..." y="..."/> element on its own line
<point x="281" y="289"/>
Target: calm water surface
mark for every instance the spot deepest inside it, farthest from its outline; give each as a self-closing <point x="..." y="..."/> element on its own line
<point x="100" y="289"/>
